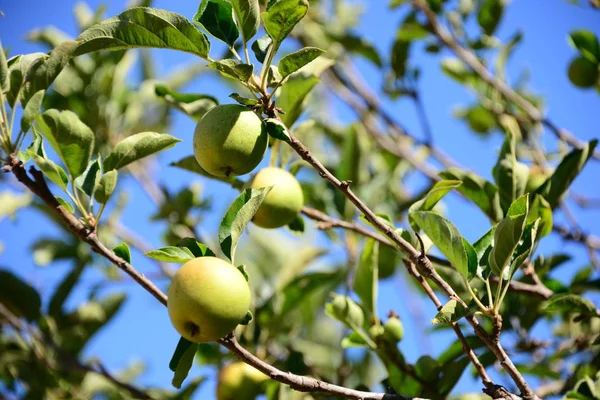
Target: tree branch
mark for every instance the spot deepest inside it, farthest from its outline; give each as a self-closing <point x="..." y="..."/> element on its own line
<point x="473" y="62"/>
<point x="420" y="260"/>
<point x="301" y="383"/>
<point x="68" y="362"/>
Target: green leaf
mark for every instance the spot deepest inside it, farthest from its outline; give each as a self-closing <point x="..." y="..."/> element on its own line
<point x="19" y="297"/>
<point x="72" y="140"/>
<point x="245" y="101"/>
<point x="233" y="69"/>
<point x="456" y="69"/>
<point x="353" y="340"/>
<point x="216" y="17"/>
<point x="65" y="204"/>
<point x="87" y="181"/>
<point x="171" y="254"/>
<point x="293" y="95"/>
<point x="144" y="27"/>
<point x="277" y="129"/>
<point x="540" y="208"/>
<point x="189" y="163"/>
<point x="42" y="73"/>
<point x="482" y="248"/>
<point x="238" y="215"/>
<point x="196" y="248"/>
<point x="480" y="119"/>
<point x="448" y="239"/>
<point x="137" y="146"/>
<point x="4" y="76"/>
<point x="106" y="186"/>
<point x="508" y="234"/>
<point x="18" y="66"/>
<point x="260" y="48"/>
<point x="366" y="276"/>
<point x="427" y="368"/>
<point x="184" y="365"/>
<point x="298" y="59"/>
<point x="63" y="290"/>
<point x="52" y="171"/>
<point x="524" y="249"/>
<point x="182" y="346"/>
<point x="489" y="15"/>
<point x="31" y="110"/>
<point x="345" y="310"/>
<point x="123" y="251"/>
<point x="510" y="175"/>
<point x="481" y="192"/>
<point x="566" y="172"/>
<point x="570" y="303"/>
<point x="399" y="57"/>
<point x="297" y="225"/>
<point x="247" y="319"/>
<point x="359" y="45"/>
<point x="587" y="43"/>
<point x="194" y="105"/>
<point x="163" y="91"/>
<point x="281" y="17"/>
<point x="435" y="194"/>
<point x="411" y="30"/>
<point x="451" y="374"/>
<point x="247" y="14"/>
<point x="242" y="269"/>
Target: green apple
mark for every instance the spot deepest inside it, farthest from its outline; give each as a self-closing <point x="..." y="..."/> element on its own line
<point x="208" y="298"/>
<point x="230" y="140"/>
<point x="284" y="201"/>
<point x="393" y="331"/>
<point x="583" y="73"/>
<point x="239" y="381"/>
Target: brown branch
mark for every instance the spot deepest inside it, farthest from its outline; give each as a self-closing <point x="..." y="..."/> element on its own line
<point x="473" y="62"/>
<point x="134" y="240"/>
<point x="301" y="383"/>
<point x="487" y="382"/>
<point x="421" y="261"/>
<point x="66" y="361"/>
<point x="327" y="222"/>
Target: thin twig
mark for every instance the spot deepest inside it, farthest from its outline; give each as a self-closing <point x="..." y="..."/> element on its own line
<point x="421" y="261"/>
<point x="473" y="62"/>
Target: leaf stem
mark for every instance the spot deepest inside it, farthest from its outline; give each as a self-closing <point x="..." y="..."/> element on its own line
<point x="102" y="207"/>
<point x="76" y="199"/>
<point x="498" y="293"/>
<point x="483" y="308"/>
<point x="265" y="68"/>
<point x="235" y="53"/>
<point x="488" y="289"/>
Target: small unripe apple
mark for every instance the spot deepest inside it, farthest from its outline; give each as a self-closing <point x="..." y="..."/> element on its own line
<point x="230" y="140"/>
<point x="583" y="73"/>
<point x="393" y="331"/>
<point x="208" y="298"/>
<point x="284" y="201"/>
<point x="239" y="381"/>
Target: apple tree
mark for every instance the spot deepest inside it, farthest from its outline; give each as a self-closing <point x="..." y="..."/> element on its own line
<point x="321" y="216"/>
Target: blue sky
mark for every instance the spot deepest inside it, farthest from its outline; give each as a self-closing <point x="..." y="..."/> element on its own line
<point x="142" y="331"/>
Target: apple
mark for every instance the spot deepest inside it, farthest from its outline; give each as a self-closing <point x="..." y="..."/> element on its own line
<point x="230" y="140"/>
<point x="208" y="298"/>
<point x="583" y="73"/>
<point x="284" y="201"/>
<point x="239" y="381"/>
